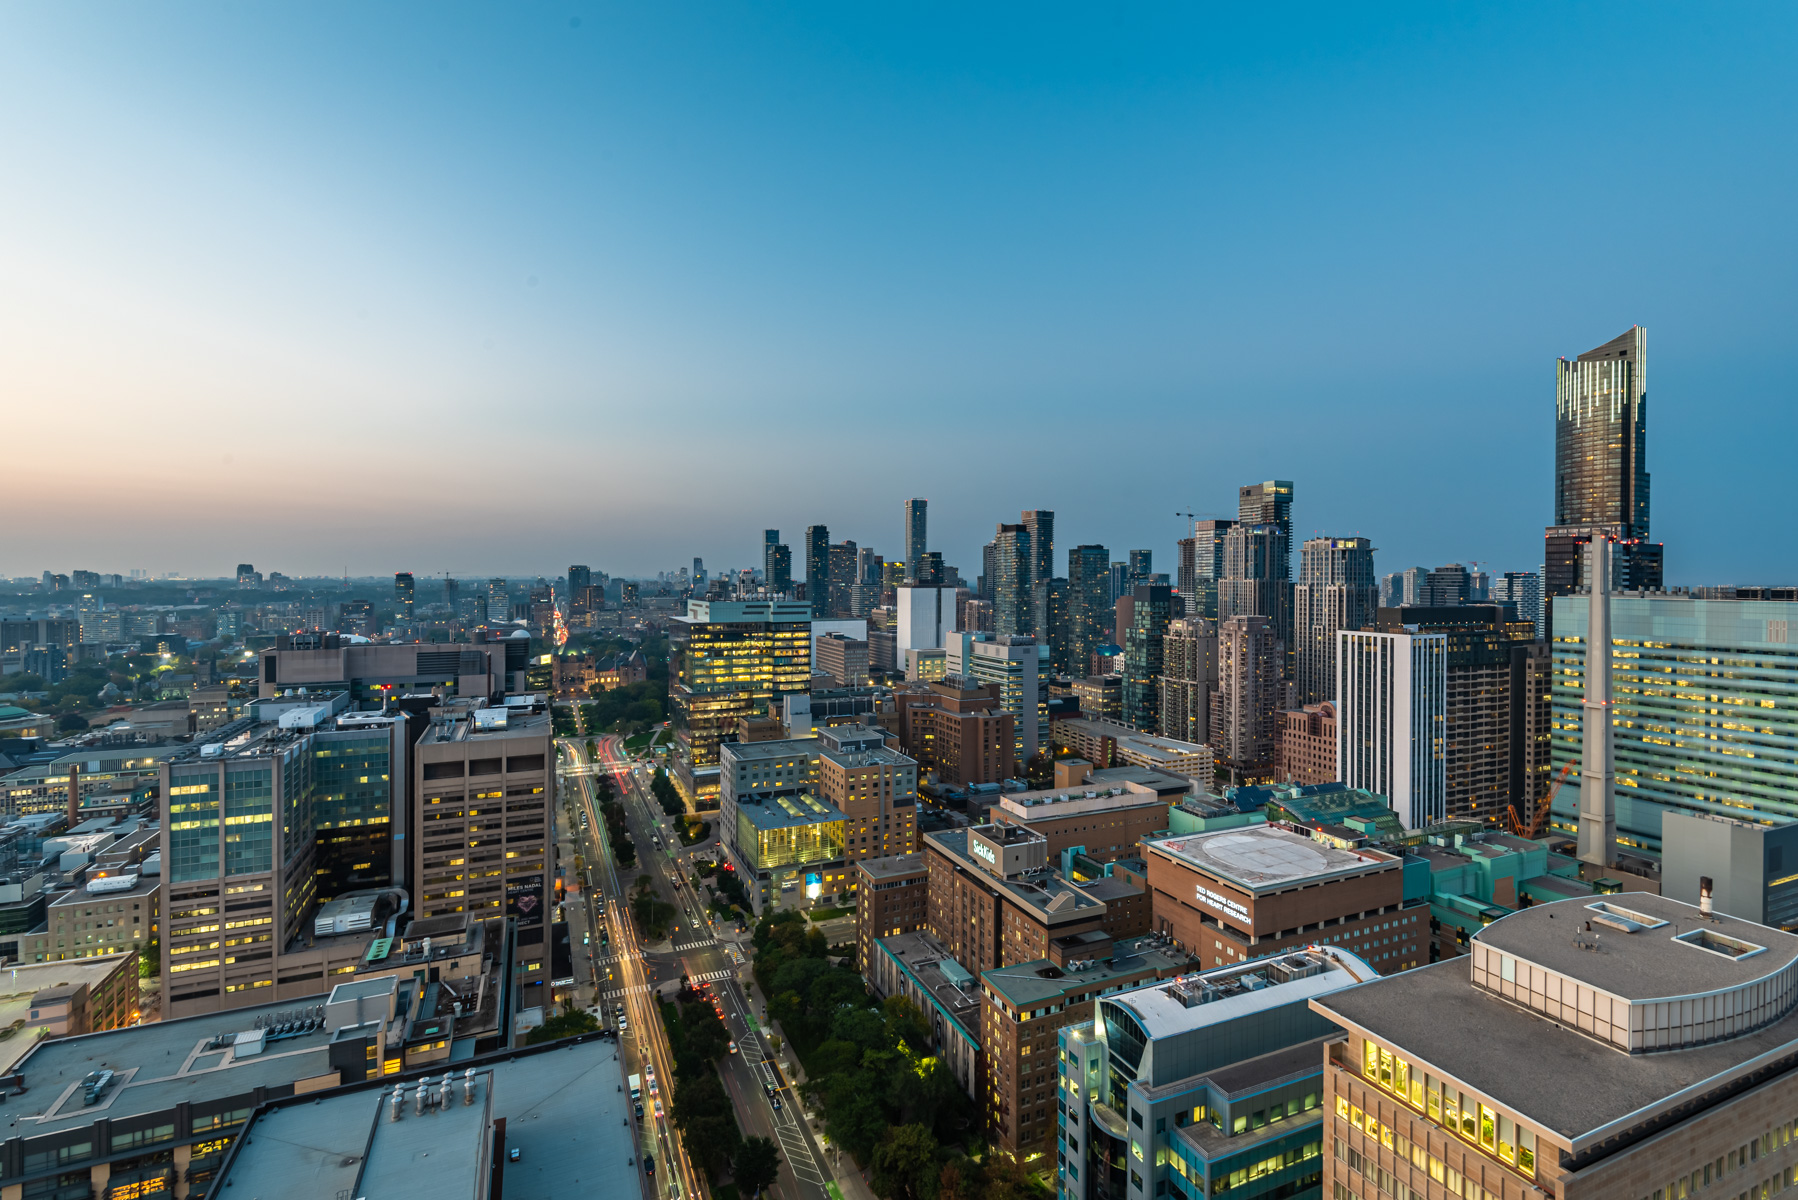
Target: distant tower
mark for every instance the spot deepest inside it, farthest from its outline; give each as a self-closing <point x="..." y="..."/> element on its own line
<point x="402" y="593"/>
<point x="1336" y="591"/>
<point x="817" y="568"/>
<point x="1269" y="503"/>
<point x="915" y="514"/>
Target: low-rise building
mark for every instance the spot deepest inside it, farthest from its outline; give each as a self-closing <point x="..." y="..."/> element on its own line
<point x="994" y="900"/>
<point x="1101" y="814"/>
<point x="844" y="659"/>
<point x="1308" y="743"/>
<point x="106" y="916"/>
<point x="45" y="1000"/>
<point x="1208" y="1084"/>
<point x="1112" y="744"/>
<point x="1101" y="697"/>
<point x="1259" y="890"/>
<point x="792" y="853"/>
<point x="918" y="967"/>
<point x="874" y="786"/>
<point x="957" y="731"/>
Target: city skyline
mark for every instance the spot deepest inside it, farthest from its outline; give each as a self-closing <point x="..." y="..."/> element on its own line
<point x="641" y="250"/>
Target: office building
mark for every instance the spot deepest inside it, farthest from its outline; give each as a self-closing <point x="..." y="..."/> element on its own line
<point x="958" y="731"/>
<point x="1403" y="589"/>
<point x="1727" y="755"/>
<point x="29" y="633"/>
<point x="371" y="673"/>
<point x="1009" y="662"/>
<point x="916" y="515"/>
<point x="1258" y="890"/>
<point x="1205" y="1085"/>
<point x="580" y="578"/>
<point x="1255" y="583"/>
<point x="1590" y="1047"/>
<point x="817" y="569"/>
<point x="1014" y="610"/>
<point x="480" y="773"/>
<point x="1049" y="602"/>
<point x="1308" y="744"/>
<point x="1335" y="591"/>
<point x="1745" y="865"/>
<point x="1105" y="743"/>
<point x="841" y="574"/>
<point x="759" y="771"/>
<point x="1522" y="590"/>
<point x="729" y="660"/>
<point x="777" y="564"/>
<point x="1188" y="678"/>
<point x="1099" y="815"/>
<point x="1448" y="584"/>
<point x="402" y="594"/>
<point x="1151" y="609"/>
<point x="792" y="852"/>
<point x="359" y="804"/>
<point x="1269" y="503"/>
<point x="1201" y="566"/>
<point x="1089" y="603"/>
<point x="874" y="786"/>
<point x="1391" y="718"/>
<point x="1249" y="693"/>
<point x="1119" y="585"/>
<point x="499" y="603"/>
<point x="924" y="615"/>
<point x="1601" y="468"/>
<point x="844" y="659"/>
<point x="1101" y="697"/>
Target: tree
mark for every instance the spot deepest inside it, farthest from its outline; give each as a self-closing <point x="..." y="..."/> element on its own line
<point x="756" y="1165"/>
<point x="905" y="1166"/>
<point x="70" y="721"/>
<point x="1040" y="771"/>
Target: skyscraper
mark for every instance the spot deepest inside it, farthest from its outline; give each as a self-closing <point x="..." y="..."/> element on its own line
<point x="1523" y="590"/>
<point x="1142" y="567"/>
<point x="1269" y="503"/>
<point x="915" y="514"/>
<point x="1188" y="678"/>
<point x="402" y="594"/>
<point x="1049" y="604"/>
<point x="777" y="563"/>
<point x="1601" y="466"/>
<point x="499" y="602"/>
<point x="579" y="579"/>
<point x="1151" y="609"/>
<point x="1249" y="693"/>
<point x="1254" y="584"/>
<point x="729" y="660"/>
<point x="1089" y="603"/>
<point x="1447" y="585"/>
<point x="1041" y="524"/>
<point x="1201" y="566"/>
<point x="840" y="576"/>
<point x="817" y="568"/>
<point x="699" y="574"/>
<point x="1013" y="610"/>
<point x="1391" y="707"/>
<point x="1335" y="591"/>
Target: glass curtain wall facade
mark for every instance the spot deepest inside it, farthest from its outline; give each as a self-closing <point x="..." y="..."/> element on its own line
<point x="730" y="660"/>
<point x="1704" y="713"/>
<point x="1013" y="608"/>
<point x="1089" y="604"/>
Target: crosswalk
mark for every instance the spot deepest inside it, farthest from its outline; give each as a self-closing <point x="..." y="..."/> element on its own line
<point x="701" y="944"/>
<point x="713" y="976"/>
<point x="638" y="989"/>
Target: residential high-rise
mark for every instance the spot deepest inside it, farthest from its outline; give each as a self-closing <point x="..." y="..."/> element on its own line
<point x="1601" y="466"/>
<point x="915" y="516"/>
<point x="1522" y="590"/>
<point x="930" y="570"/>
<point x="1269" y="503"/>
<point x="1041" y="524"/>
<point x="1119" y="584"/>
<point x="699" y="576"/>
<point x="1151" y="609"/>
<point x="777" y="564"/>
<point x="1250" y="693"/>
<point x="1532" y="726"/>
<point x="1403" y="589"/>
<point x="1391" y="714"/>
<point x="499" y="602"/>
<point x="1089" y="608"/>
<point x="729" y="660"/>
<point x="1142" y="567"/>
<point x="989" y="571"/>
<point x="1255" y="582"/>
<point x="841" y="574"/>
<point x="1335" y="591"/>
<point x="579" y="580"/>
<point x="1049" y="604"/>
<point x="817" y="569"/>
<point x="1013" y="602"/>
<point x="1201" y="566"/>
<point x="402" y="594"/>
<point x="1188" y="678"/>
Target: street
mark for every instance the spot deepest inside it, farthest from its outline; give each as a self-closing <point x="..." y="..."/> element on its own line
<point x="629" y="972"/>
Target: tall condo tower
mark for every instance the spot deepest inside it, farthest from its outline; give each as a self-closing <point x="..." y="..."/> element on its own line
<point x="915" y="513"/>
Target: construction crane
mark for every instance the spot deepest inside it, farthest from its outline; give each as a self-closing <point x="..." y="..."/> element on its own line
<point x="1533" y="830"/>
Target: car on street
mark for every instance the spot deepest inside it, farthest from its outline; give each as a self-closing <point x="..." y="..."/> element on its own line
<point x="777" y="1104"/>
<point x="649" y="1164"/>
<point x="733" y="1047"/>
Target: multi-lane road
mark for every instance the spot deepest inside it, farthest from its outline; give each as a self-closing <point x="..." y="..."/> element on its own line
<point x="628" y="972"/>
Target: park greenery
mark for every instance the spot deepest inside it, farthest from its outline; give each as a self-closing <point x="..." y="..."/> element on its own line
<point x="624" y="851"/>
<point x="630" y="709"/>
<point x="653" y="914"/>
<point x="701" y="1110"/>
<point x="666" y="794"/>
<point x="570" y="1022"/>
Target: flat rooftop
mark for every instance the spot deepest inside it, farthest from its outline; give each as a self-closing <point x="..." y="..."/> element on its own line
<point x="1262" y="858"/>
<point x="460" y="726"/>
<point x="1030" y="984"/>
<point x="1243" y="988"/>
<point x="145" y="886"/>
<point x="892" y="866"/>
<point x="950" y="985"/>
<point x="1645" y="965"/>
<point x="25" y="981"/>
<point x="159" y="1065"/>
<point x="1035" y="892"/>
<point x="762" y="751"/>
<point x="1568" y="1082"/>
<point x="564" y="1112"/>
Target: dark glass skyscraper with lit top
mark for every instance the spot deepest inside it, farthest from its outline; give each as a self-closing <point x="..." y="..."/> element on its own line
<point x="1601" y="466"/>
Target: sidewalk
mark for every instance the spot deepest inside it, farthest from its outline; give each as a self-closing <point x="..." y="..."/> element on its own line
<point x="848" y="1179"/>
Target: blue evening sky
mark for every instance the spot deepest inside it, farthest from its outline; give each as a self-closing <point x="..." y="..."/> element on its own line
<point x="498" y="287"/>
